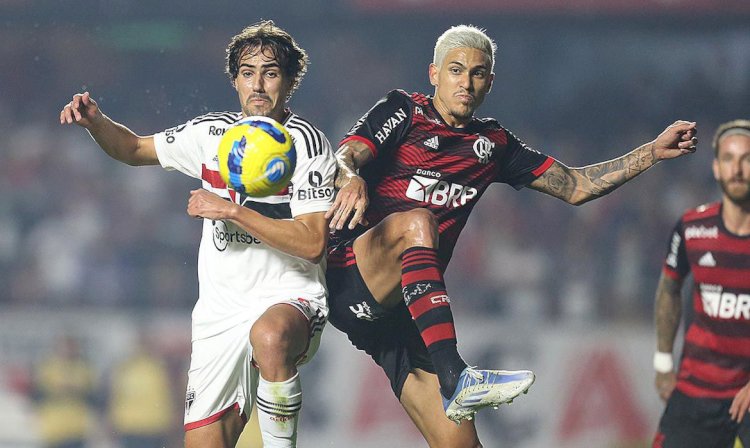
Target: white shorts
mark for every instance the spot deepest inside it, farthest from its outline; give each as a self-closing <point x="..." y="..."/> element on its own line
<point x="221" y="376"/>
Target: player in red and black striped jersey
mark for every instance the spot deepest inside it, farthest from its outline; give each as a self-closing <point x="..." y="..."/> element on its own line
<point x="410" y="172"/>
<point x="709" y="397"/>
<point x="418" y="159"/>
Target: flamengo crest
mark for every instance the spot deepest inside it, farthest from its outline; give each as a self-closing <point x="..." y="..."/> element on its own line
<point x="483" y="149"/>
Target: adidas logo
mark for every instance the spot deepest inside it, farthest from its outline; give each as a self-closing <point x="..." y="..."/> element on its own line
<point x="707" y="260"/>
<point x="432" y="142"/>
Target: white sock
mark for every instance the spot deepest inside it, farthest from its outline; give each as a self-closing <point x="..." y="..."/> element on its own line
<point x="278" y="410"/>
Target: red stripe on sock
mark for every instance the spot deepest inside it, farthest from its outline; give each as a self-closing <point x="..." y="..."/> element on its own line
<point x="428" y="302"/>
<point x="437" y="333"/>
<point x="427" y="256"/>
<point x="423" y="275"/>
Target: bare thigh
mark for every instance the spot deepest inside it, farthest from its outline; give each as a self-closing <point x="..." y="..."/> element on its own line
<point x="222" y="433"/>
<point x="379" y="250"/>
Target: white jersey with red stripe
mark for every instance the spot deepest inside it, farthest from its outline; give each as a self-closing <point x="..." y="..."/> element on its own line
<point x="237" y="273"/>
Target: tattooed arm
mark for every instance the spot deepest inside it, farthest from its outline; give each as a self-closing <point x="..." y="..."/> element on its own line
<point x="580" y="185"/>
<point x="352" y="195"/>
<point x="667" y="312"/>
<point x="667" y="316"/>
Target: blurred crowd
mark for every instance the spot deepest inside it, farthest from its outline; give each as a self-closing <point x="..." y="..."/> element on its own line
<point x="77" y="228"/>
<point x="81" y="232"/>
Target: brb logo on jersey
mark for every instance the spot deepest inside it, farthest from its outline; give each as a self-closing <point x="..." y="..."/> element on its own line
<point x="722" y="304"/>
<point x="434" y="191"/>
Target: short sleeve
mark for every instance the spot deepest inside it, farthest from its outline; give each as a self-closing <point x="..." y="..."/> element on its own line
<point x="521" y="164"/>
<point x="385" y="125"/>
<point x="178" y="149"/>
<point x="676" y="264"/>
<point x="312" y="185"/>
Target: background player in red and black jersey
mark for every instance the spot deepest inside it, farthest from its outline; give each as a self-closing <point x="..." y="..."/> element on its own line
<point x="410" y="172"/>
<point x="708" y="400"/>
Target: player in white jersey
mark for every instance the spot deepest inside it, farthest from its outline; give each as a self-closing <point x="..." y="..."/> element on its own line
<point x="262" y="296"/>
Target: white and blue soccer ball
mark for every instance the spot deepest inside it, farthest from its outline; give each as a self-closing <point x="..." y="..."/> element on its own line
<point x="257" y="157"/>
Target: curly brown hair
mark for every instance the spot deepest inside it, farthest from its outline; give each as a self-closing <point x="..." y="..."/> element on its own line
<point x="265" y="35"/>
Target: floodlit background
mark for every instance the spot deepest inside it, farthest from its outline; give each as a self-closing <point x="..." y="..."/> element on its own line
<point x="98" y="260"/>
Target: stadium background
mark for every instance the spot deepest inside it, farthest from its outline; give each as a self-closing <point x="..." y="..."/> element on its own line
<point x="102" y="254"/>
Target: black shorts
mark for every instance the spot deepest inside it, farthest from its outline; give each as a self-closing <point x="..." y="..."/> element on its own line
<point x="389" y="336"/>
<point x="690" y="422"/>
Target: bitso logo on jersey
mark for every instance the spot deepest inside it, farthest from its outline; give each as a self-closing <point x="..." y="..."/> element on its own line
<point x="257" y="157"/>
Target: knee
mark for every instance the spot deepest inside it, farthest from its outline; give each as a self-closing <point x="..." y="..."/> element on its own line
<point x="274" y="342"/>
<point x="420" y="228"/>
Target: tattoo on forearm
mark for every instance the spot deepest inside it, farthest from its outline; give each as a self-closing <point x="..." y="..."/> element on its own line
<point x="607" y="176"/>
<point x="668" y="313"/>
<point x="558" y="181"/>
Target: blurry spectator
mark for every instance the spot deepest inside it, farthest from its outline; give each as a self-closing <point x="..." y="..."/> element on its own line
<point x="140" y="399"/>
<point x="64" y="389"/>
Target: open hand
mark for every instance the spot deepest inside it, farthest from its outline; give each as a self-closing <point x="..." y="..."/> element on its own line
<point x="352" y="197"/>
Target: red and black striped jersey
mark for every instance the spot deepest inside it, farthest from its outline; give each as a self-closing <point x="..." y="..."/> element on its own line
<point x="716" y="354"/>
<point x="421" y="162"/>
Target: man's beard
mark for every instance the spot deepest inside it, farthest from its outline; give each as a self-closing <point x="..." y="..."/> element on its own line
<point x="741" y="197"/>
<point x="250" y="110"/>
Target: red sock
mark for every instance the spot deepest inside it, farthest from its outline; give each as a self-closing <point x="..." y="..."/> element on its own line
<point x="425" y="296"/>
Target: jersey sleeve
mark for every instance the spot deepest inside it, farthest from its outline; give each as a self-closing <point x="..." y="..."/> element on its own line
<point x="676" y="265"/>
<point x="313" y="178"/>
<point x="178" y="148"/>
<point x="385" y="125"/>
<point x="521" y="164"/>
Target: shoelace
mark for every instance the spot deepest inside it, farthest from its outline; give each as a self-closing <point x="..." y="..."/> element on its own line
<point x="470" y="371"/>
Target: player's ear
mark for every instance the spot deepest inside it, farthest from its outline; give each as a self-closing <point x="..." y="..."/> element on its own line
<point x="492" y="78"/>
<point x="715" y="167"/>
<point x="433" y="72"/>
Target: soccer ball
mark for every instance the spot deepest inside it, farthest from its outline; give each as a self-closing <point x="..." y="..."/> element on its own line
<point x="257" y="157"/>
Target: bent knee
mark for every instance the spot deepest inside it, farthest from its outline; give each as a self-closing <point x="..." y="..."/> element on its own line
<point x="420" y="227"/>
<point x="278" y="341"/>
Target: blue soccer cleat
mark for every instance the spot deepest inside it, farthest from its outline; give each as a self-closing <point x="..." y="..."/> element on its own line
<point x="479" y="389"/>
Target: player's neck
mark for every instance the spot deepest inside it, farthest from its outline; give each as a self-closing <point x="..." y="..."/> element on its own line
<point x="736" y="217"/>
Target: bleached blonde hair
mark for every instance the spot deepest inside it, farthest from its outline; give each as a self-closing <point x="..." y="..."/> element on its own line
<point x="464" y="36"/>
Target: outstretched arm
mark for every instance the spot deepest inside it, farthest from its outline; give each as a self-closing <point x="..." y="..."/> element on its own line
<point x="667" y="316"/>
<point x="352" y="194"/>
<point x="116" y="140"/>
<point x="579" y="185"/>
